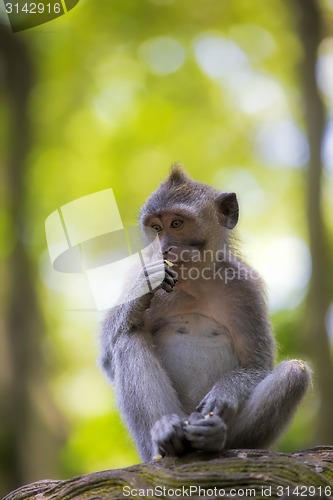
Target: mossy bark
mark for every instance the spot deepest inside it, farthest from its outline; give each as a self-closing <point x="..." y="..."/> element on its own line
<point x="233" y="474"/>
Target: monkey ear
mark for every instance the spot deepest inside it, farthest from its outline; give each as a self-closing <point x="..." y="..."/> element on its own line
<point x="228" y="208"/>
<point x="178" y="175"/>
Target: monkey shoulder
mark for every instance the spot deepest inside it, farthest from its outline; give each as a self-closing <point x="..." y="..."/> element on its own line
<point x="252" y="329"/>
<point x="244" y="286"/>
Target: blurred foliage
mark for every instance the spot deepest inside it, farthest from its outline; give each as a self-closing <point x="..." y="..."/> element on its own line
<point x="122" y="90"/>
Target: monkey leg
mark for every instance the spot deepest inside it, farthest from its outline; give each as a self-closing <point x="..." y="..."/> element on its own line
<point x="144" y="392"/>
<point x="270" y="406"/>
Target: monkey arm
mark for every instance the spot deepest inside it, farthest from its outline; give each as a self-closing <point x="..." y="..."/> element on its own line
<point x="120" y="320"/>
<point x="228" y="395"/>
<point x="129" y="315"/>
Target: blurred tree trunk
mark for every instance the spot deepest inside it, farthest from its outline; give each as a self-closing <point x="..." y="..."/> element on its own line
<point x="309" y="23"/>
<point x="27" y="447"/>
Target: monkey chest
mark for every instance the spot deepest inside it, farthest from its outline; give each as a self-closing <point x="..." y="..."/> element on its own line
<point x="195" y="351"/>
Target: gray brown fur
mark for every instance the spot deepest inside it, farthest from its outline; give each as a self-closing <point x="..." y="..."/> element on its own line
<point x="192" y="363"/>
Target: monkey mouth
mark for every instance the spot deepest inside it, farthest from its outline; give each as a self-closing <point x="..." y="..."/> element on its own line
<point x="198" y="244"/>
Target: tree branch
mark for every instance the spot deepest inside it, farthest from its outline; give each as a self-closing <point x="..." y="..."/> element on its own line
<point x="236" y="473"/>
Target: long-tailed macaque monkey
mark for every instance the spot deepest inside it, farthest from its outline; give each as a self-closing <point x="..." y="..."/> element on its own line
<point x="192" y="362"/>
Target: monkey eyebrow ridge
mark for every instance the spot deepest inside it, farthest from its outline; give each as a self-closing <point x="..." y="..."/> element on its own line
<point x="179" y="212"/>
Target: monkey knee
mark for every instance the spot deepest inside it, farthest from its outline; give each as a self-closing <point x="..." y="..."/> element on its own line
<point x="287" y="383"/>
<point x="297" y="370"/>
<point x="296" y="376"/>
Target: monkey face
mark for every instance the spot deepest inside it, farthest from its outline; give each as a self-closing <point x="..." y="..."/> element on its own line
<point x="178" y="233"/>
<point x="189" y="217"/>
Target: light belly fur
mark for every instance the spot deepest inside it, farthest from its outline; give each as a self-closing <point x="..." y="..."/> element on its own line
<point x="195" y="351"/>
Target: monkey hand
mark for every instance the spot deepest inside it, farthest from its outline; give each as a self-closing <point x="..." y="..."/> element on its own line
<point x="168" y="436"/>
<point x="161" y="275"/>
<point x="206" y="432"/>
<point x="170" y="278"/>
<point x="218" y="404"/>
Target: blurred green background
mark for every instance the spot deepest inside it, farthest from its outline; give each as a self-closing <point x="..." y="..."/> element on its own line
<point x="109" y="95"/>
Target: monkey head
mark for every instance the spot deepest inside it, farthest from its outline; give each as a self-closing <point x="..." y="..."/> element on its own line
<point x="188" y="215"/>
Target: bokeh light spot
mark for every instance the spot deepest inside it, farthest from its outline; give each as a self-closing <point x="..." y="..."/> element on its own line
<point x="218" y="57"/>
<point x="282" y="143"/>
<point x="163" y="55"/>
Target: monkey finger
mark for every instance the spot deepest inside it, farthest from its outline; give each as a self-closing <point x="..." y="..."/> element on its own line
<point x="197" y="443"/>
<point x="154" y="273"/>
<point x="173" y="446"/>
<point x="203" y="405"/>
<point x="211" y="444"/>
<point x="168" y="435"/>
<point x="203" y="430"/>
<point x="169" y="280"/>
<point x="171" y="272"/>
<point x="200" y="407"/>
<point x="206" y="419"/>
<point x="165" y="286"/>
<point x="208" y="422"/>
<point x="207" y="438"/>
<point x="168" y="283"/>
<point x="154" y="268"/>
<point x="207" y="407"/>
<point x="192" y="432"/>
<point x="195" y="417"/>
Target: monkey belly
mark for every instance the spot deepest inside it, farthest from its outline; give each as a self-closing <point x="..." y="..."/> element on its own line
<point x="195" y="351"/>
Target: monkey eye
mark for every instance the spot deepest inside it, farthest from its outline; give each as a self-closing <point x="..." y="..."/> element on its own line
<point x="176" y="224"/>
<point x="157" y="228"/>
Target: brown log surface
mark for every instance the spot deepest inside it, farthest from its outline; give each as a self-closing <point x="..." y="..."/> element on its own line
<point x="233" y="471"/>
